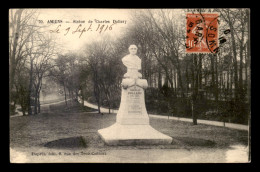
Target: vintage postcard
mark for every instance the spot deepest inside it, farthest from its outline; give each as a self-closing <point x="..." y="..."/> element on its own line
<point x="96" y="85"/>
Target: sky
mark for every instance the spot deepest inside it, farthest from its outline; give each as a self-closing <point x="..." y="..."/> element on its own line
<point x="71" y="40"/>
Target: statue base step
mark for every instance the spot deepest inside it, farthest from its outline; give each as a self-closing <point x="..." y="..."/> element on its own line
<point x="118" y="134"/>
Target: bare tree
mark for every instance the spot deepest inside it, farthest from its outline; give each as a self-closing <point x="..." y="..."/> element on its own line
<point x="25" y="43"/>
<point x="41" y="66"/>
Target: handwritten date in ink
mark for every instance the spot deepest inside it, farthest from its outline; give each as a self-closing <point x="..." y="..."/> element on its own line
<point x="80" y="29"/>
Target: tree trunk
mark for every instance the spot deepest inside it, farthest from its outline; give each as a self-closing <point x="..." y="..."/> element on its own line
<point x="217" y="80"/>
<point x="159" y="78"/>
<point x="231" y="83"/>
<point x="172" y="78"/>
<point x="97" y="96"/>
<point x="70" y="95"/>
<point x="241" y="65"/>
<point x="16" y="37"/>
<point x="39" y="105"/>
<point x="175" y="81"/>
<point x="179" y="77"/>
<point x="228" y="73"/>
<point x="37" y="96"/>
<point x="77" y="94"/>
<point x="195" y="88"/>
<point x="187" y="78"/>
<point x="65" y="94"/>
<point x="200" y="71"/>
<point x="30" y="88"/>
<point x="213" y="80"/>
<point x="109" y="107"/>
<point x="82" y="97"/>
<point x="98" y="102"/>
<point x="23" y="102"/>
<point x="36" y="102"/>
<point x="234" y="62"/>
<point x="23" y="110"/>
<point x="206" y="81"/>
<point x="194" y="118"/>
<point x="22" y="99"/>
<point x="39" y="91"/>
<point x="246" y="66"/>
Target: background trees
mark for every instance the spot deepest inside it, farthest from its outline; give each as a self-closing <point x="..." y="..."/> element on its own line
<point x="30" y="52"/>
<point x="104" y="65"/>
<point x="221" y="79"/>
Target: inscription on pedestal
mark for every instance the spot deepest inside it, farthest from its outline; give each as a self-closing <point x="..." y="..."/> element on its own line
<point x="134" y="100"/>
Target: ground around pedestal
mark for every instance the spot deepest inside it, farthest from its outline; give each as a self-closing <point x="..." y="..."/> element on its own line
<point x="64" y="135"/>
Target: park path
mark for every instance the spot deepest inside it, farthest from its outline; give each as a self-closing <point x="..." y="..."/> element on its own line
<point x="199" y="121"/>
<point x="19" y="113"/>
<point x="44" y="107"/>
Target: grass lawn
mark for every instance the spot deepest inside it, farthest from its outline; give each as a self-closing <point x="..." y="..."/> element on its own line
<point x="76" y="129"/>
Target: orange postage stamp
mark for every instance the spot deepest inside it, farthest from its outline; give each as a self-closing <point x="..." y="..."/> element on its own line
<point x="202" y="33"/>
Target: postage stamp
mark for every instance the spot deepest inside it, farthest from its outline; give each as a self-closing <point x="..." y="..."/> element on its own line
<point x="202" y="32"/>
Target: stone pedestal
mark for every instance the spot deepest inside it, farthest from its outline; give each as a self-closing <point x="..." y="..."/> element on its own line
<point x="132" y="121"/>
<point x="118" y="134"/>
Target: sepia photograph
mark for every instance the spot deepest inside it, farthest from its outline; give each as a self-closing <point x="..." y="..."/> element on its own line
<point x="112" y="85"/>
